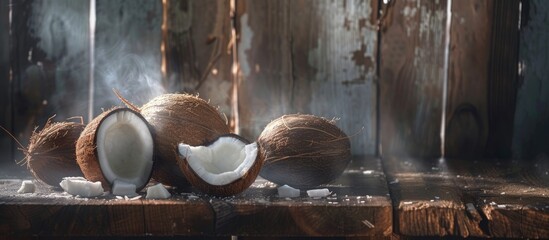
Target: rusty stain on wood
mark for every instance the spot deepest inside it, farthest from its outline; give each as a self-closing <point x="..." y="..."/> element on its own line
<point x="316" y="64"/>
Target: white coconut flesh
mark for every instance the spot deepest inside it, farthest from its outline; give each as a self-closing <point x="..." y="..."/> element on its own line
<point x="125" y="150"/>
<point x="221" y="163"/>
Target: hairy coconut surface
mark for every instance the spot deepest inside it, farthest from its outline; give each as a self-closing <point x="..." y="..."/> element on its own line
<point x="51" y="154"/>
<point x="117" y="147"/>
<point x="303" y="151"/>
<point x="224" y="167"/>
<point x="180" y="118"/>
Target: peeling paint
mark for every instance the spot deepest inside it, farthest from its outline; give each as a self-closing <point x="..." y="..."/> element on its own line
<point x="246" y="37"/>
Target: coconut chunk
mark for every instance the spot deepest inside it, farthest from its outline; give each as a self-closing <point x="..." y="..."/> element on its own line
<point x="222" y="162"/>
<point x="121" y="188"/>
<point x="27" y="186"/>
<point x="157" y="191"/>
<point x="81" y="187"/>
<point x="288" y="192"/>
<point x="323" y="192"/>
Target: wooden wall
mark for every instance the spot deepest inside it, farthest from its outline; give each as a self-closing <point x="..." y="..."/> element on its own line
<point x="380" y="69"/>
<point x="531" y="128"/>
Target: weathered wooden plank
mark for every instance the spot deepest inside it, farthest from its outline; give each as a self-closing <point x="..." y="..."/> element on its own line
<point x="411" y="78"/>
<point x="512" y="196"/>
<point x="198" y="53"/>
<point x="49" y="213"/>
<point x="6" y="145"/>
<point x="314" y="57"/>
<point x="467" y="105"/>
<point x="531" y="126"/>
<point x="127" y="52"/>
<point x="502" y="88"/>
<point x="426" y="200"/>
<point x="359" y="206"/>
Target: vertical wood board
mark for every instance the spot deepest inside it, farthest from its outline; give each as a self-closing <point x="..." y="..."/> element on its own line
<point x="198" y="53"/>
<point x="49" y="63"/>
<point x="6" y="144"/>
<point x="309" y="57"/>
<point x="127" y="52"/>
<point x="467" y="110"/>
<point x="411" y="78"/>
<point x="531" y="126"/>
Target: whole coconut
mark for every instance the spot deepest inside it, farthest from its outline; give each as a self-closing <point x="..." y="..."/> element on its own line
<point x="50" y="155"/>
<point x="303" y="151"/>
<point x="180" y="118"/>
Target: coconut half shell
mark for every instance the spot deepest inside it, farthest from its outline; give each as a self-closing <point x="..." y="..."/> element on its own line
<point x="224" y="167"/>
<point x="303" y="151"/>
<point x="180" y="118"/>
<point x="117" y="147"/>
<point x="51" y="154"/>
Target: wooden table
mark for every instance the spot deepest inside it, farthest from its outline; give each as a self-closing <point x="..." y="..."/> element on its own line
<point x="359" y="206"/>
<point x="374" y="199"/>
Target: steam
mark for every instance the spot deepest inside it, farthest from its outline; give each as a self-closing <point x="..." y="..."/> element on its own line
<point x="122" y="52"/>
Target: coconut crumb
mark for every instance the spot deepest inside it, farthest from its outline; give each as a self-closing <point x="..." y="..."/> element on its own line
<point x="318" y="193"/>
<point x="157" y="191"/>
<point x="27" y="186"/>
<point x="79" y="186"/>
<point x="288" y="192"/>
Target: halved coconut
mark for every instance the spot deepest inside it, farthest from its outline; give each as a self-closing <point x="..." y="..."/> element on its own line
<point x="180" y="118"/>
<point x="117" y="149"/>
<point x="225" y="167"/>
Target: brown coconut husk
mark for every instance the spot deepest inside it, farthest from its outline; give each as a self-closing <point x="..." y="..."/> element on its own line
<point x="303" y="151"/>
<point x="230" y="189"/>
<point x="51" y="155"/>
<point x="179" y="118"/>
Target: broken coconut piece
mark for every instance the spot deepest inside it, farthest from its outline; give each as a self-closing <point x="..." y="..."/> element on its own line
<point x="323" y="192"/>
<point x="121" y="188"/>
<point x="27" y="186"/>
<point x="79" y="186"/>
<point x="287" y="191"/>
<point x="157" y="191"/>
<point x="224" y="167"/>
<point x="117" y="146"/>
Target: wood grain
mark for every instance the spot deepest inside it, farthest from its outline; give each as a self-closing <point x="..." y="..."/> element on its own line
<point x="411" y="78"/>
<point x="467" y="106"/>
<point x="531" y="126"/>
<point x="502" y="88"/>
<point x="359" y="206"/>
<point x="426" y="200"/>
<point x="309" y="57"/>
<point x="198" y="53"/>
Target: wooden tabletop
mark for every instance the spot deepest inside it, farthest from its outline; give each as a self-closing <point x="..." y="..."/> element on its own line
<point x="374" y="198"/>
<point x="358" y="206"/>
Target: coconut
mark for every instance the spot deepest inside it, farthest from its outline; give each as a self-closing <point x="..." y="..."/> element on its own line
<point x="179" y="118"/>
<point x="224" y="167"/>
<point x="117" y="149"/>
<point x="51" y="154"/>
<point x="303" y="151"/>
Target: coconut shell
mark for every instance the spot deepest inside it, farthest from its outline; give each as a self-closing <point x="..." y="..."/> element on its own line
<point x="51" y="153"/>
<point x="86" y="150"/>
<point x="230" y="189"/>
<point x="180" y="118"/>
<point x="303" y="151"/>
